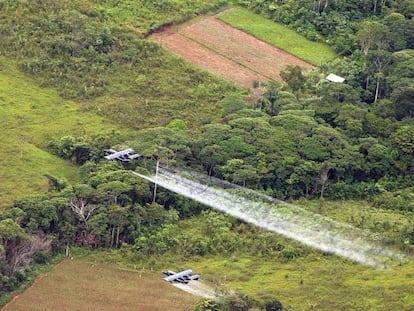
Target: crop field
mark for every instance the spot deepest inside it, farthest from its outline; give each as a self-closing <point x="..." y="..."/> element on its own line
<point x="278" y="35"/>
<point x="30" y="116"/>
<point x="79" y="285"/>
<point x="227" y="52"/>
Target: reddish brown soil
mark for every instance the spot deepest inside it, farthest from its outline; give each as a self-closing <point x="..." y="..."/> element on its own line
<point x="227" y="52"/>
<point x="209" y="60"/>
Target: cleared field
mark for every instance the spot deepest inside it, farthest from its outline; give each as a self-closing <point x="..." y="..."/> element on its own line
<point x="79" y="285"/>
<point x="227" y="52"/>
<point x="209" y="60"/>
<point x="278" y="35"/>
<point x="241" y="48"/>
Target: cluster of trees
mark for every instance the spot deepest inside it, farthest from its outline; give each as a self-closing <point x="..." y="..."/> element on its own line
<point x="337" y="22"/>
<point x="375" y="36"/>
<point x="330" y="145"/>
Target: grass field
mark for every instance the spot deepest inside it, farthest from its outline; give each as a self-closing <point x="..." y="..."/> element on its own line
<point x="278" y="35"/>
<point x="81" y="285"/>
<point x="144" y="16"/>
<point x="29" y="117"/>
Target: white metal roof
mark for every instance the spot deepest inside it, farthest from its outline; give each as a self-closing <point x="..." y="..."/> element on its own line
<point x="334" y="78"/>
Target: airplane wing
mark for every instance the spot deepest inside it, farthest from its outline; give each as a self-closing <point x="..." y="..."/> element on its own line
<point x="119" y="154"/>
<point x="180" y="275"/>
<point x="125" y="155"/>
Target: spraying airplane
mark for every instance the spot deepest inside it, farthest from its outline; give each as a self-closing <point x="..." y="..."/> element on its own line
<point x="125" y="155"/>
<point x="183" y="277"/>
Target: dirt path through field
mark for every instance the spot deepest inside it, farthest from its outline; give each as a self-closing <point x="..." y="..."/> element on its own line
<point x="227" y="52"/>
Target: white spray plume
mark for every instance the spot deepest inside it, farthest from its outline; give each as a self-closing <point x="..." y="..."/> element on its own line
<point x="277" y="216"/>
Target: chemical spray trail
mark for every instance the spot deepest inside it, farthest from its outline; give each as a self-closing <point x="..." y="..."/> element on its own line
<point x="274" y="215"/>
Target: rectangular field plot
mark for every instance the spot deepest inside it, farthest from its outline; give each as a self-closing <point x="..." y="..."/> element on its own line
<point x="209" y="60"/>
<point x="241" y="47"/>
<point x="227" y="52"/>
<point x="79" y="285"/>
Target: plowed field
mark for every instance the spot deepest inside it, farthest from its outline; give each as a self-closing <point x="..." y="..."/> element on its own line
<point x="227" y="52"/>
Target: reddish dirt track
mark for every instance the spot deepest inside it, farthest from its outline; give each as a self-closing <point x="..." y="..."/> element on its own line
<point x="227" y="52"/>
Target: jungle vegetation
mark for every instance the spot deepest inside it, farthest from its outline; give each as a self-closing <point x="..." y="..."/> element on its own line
<point x="304" y="139"/>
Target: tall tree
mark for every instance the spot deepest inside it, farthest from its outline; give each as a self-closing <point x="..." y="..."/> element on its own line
<point x="372" y="35"/>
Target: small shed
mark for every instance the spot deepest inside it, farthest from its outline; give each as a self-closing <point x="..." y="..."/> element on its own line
<point x="334" y="78"/>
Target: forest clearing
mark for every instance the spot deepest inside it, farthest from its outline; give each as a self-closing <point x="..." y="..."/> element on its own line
<point x="227" y="52"/>
<point x="76" y="284"/>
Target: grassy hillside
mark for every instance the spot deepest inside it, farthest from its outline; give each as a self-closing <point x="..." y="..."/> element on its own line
<point x="278" y="35"/>
<point x="29" y="117"/>
<point x="81" y="59"/>
<point x="87" y="52"/>
<point x="83" y="68"/>
<point x="144" y="16"/>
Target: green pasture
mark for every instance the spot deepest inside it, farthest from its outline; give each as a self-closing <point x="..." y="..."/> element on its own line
<point x="30" y="117"/>
<point x="278" y="35"/>
<point x="136" y="93"/>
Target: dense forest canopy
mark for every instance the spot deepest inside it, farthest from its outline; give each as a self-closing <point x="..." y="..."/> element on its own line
<point x="304" y="138"/>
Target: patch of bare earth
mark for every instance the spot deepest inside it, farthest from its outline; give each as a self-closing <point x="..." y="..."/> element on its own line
<point x="78" y="285"/>
<point x="209" y="60"/>
<point x="227" y="52"/>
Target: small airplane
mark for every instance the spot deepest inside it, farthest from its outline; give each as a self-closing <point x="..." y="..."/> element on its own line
<point x="125" y="155"/>
<point x="183" y="277"/>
